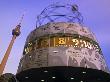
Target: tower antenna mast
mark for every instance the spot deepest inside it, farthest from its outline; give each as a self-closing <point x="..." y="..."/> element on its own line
<point x="15" y="32"/>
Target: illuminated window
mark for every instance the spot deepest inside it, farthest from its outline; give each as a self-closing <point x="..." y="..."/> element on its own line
<point x="72" y="78"/>
<point x="55" y="51"/>
<point x="30" y="56"/>
<point x="53" y="77"/>
<point x="26" y="77"/>
<point x="42" y="80"/>
<point x="83" y="72"/>
<point x="45" y="71"/>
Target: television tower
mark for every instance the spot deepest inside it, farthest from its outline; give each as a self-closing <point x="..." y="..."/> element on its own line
<point x="15" y="32"/>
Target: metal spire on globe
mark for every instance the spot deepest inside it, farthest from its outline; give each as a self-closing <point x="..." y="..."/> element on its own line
<point x="60" y="49"/>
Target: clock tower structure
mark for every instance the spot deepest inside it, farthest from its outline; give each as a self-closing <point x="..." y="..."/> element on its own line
<point x="61" y="49"/>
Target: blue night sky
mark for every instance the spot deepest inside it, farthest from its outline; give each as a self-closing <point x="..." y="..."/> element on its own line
<point x="96" y="15"/>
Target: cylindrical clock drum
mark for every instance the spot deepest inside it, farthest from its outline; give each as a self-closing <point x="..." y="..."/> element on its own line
<point x="62" y="51"/>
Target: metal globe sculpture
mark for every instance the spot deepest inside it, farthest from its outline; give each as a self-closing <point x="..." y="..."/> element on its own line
<point x="59" y="12"/>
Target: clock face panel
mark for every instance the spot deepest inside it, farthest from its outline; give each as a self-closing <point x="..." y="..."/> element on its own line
<point x="65" y="41"/>
<point x="70" y="41"/>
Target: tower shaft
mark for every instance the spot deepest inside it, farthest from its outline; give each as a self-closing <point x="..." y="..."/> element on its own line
<point x="5" y="58"/>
